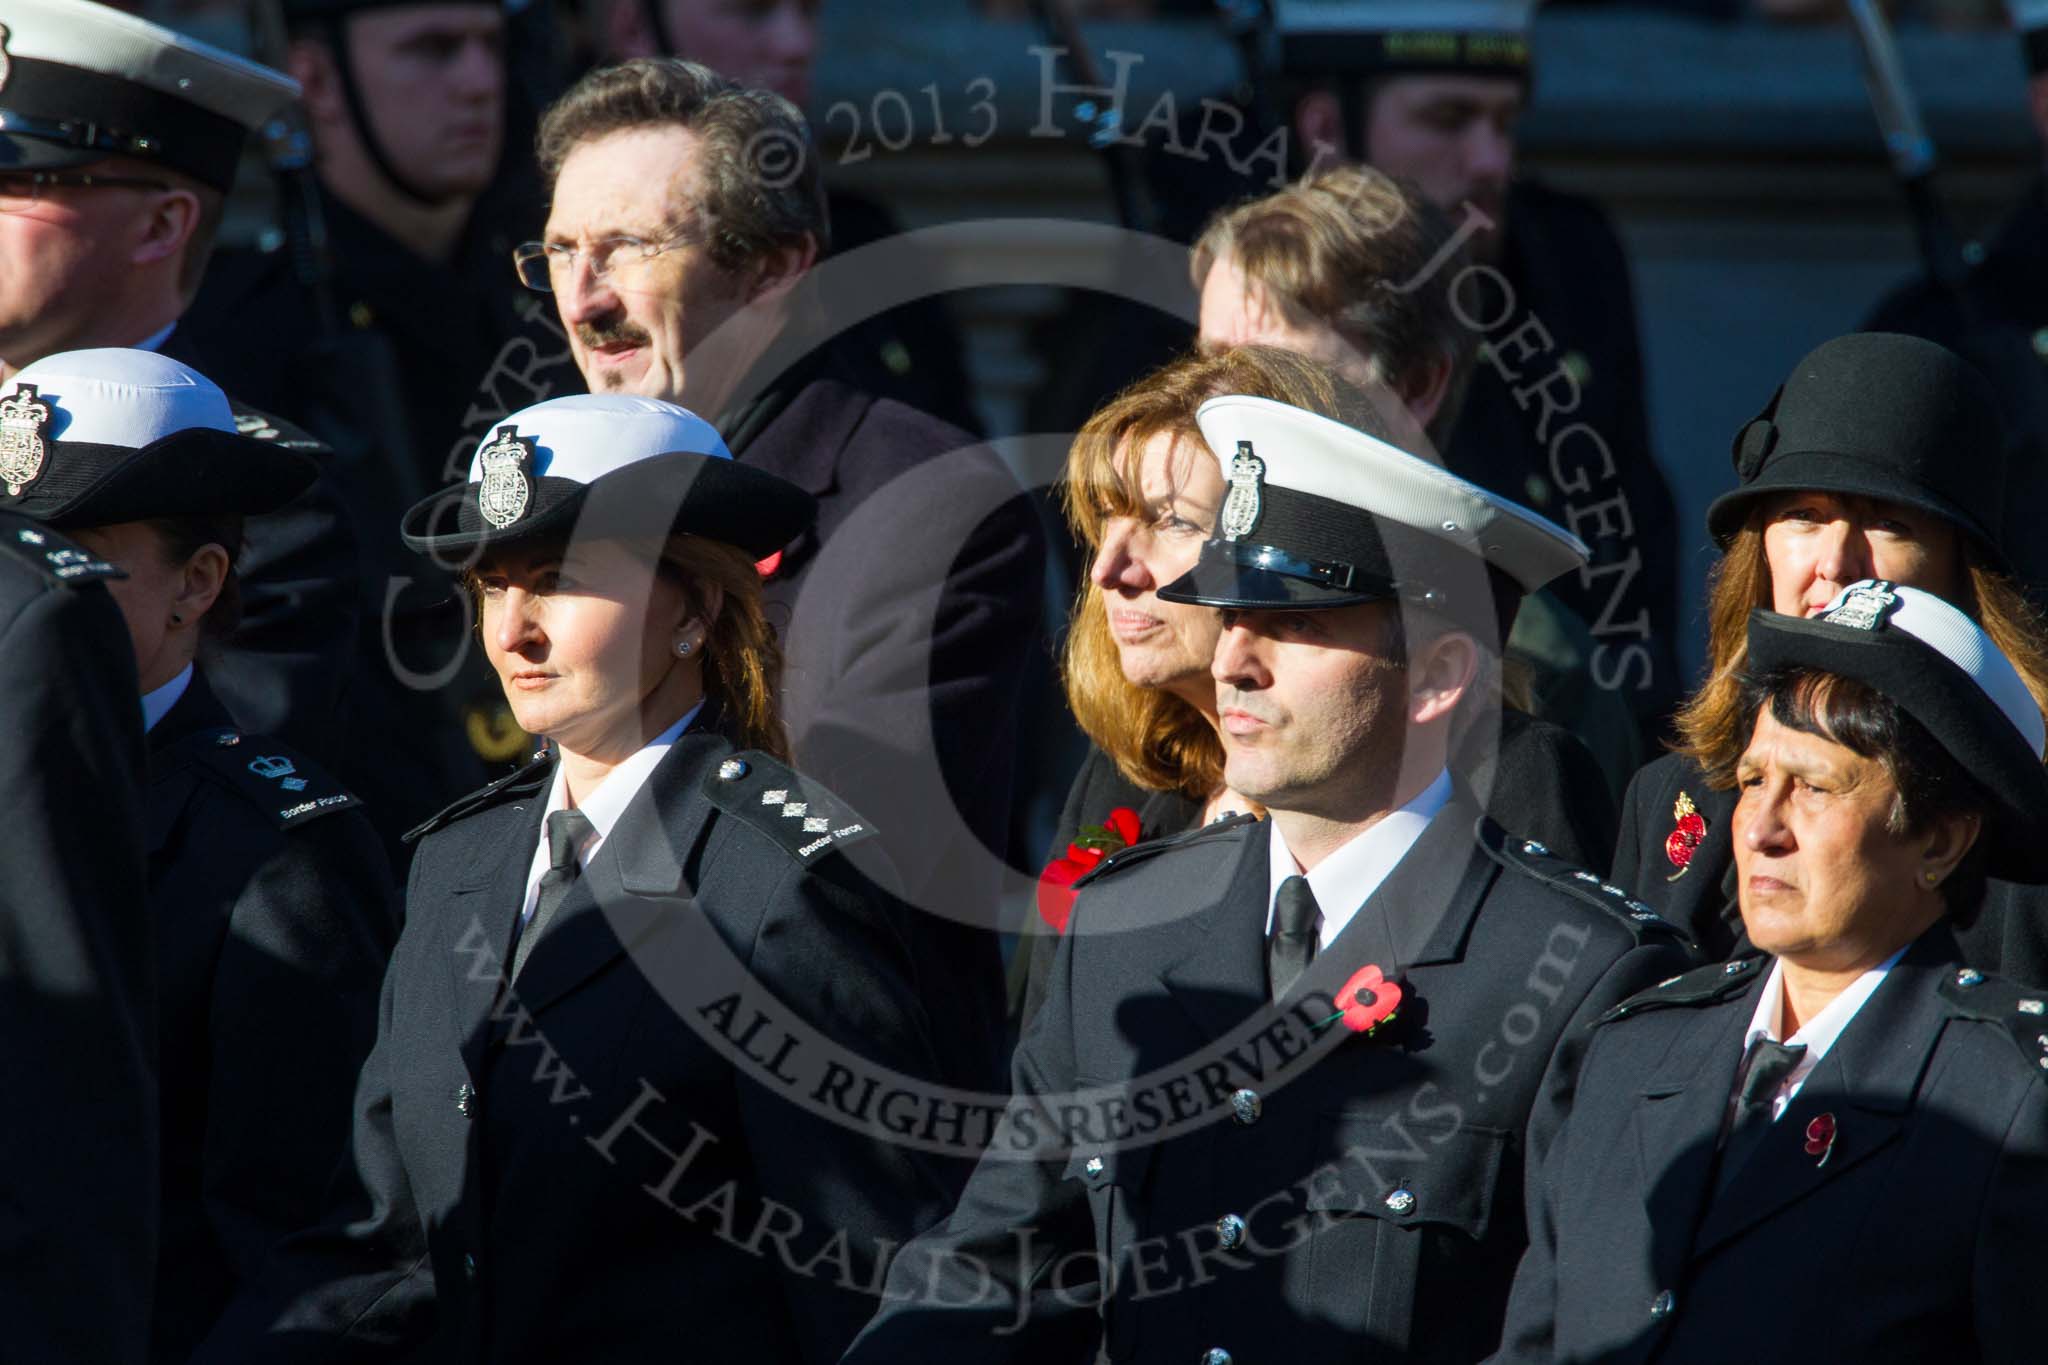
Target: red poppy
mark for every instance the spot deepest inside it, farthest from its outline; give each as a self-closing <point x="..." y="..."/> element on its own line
<point x="1368" y="1000"/>
<point x="1690" y="828"/>
<point x="1055" y="885"/>
<point x="1820" y="1137"/>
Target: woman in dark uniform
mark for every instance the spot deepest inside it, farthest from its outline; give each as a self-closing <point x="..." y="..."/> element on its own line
<point x="1831" y="1148"/>
<point x="623" y="1102"/>
<point x="269" y="895"/>
<point x="1880" y="457"/>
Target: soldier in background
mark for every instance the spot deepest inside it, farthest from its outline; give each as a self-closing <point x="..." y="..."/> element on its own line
<point x="1554" y="416"/>
<point x="1997" y="319"/>
<point x="913" y="353"/>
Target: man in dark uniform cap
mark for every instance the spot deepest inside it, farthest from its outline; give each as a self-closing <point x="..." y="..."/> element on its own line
<point x="1554" y="416"/>
<point x="1835" y="1150"/>
<point x="1997" y="319"/>
<point x="119" y="141"/>
<point x="78" y="1151"/>
<point x="1277" y="1103"/>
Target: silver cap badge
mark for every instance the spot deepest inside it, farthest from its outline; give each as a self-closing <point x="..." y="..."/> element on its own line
<point x="21" y="438"/>
<point x="1865" y="607"/>
<point x="1242" y="508"/>
<point x="505" y="491"/>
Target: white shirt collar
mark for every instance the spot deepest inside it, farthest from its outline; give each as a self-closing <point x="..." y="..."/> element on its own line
<point x="604" y="806"/>
<point x="156" y="705"/>
<point x="1817" y="1034"/>
<point x="1343" y="880"/>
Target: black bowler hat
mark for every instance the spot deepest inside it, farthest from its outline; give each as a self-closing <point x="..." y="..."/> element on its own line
<point x="608" y="465"/>
<point x="1319" y="514"/>
<point x="80" y="82"/>
<point x="1943" y="670"/>
<point x="100" y="437"/>
<point x="1877" y="415"/>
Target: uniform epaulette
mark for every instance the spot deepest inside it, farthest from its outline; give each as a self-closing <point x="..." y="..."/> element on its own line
<point x="2020" y="1010"/>
<point x="1700" y="986"/>
<point x="289" y="789"/>
<point x="58" y="559"/>
<point x="1531" y="858"/>
<point x="529" y="779"/>
<point x="802" y="817"/>
<point x="1152" y="848"/>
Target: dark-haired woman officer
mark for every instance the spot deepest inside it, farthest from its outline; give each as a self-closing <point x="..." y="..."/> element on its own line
<point x="1835" y="1148"/>
<point x="268" y="893"/>
<point x="623" y="1102"/>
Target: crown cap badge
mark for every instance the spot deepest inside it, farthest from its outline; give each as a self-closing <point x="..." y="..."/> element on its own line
<point x="22" y="449"/>
<point x="1867" y="606"/>
<point x="506" y="490"/>
<point x="1241" y="510"/>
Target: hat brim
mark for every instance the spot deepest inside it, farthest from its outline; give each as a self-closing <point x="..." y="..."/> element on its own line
<point x="719" y="499"/>
<point x="19" y="152"/>
<point x="1821" y="471"/>
<point x="197" y="472"/>
<point x="1229" y="576"/>
<point x="1949" y="703"/>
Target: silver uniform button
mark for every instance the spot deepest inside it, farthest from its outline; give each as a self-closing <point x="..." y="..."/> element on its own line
<point x="1246" y="1106"/>
<point x="227" y="739"/>
<point x="1401" y="1201"/>
<point x="1216" y="1355"/>
<point x="1664" y="1305"/>
<point x="1731" y="969"/>
<point x="1969" y="976"/>
<point x="1094" y="1166"/>
<point x="1230" y="1231"/>
<point x="733" y="769"/>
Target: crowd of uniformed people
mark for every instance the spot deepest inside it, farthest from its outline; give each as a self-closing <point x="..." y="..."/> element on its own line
<point x="525" y="732"/>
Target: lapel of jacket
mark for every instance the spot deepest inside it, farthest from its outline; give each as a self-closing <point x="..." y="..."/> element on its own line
<point x="1865" y="1085"/>
<point x="1227" y="964"/>
<point x="1678" y="1123"/>
<point x="635" y="877"/>
<point x="482" y="906"/>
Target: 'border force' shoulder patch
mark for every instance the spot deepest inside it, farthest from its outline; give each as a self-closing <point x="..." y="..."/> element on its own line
<point x="801" y="816"/>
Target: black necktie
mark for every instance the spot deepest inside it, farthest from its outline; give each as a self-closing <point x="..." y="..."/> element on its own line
<point x="1766" y="1067"/>
<point x="567" y="830"/>
<point x="1297" y="924"/>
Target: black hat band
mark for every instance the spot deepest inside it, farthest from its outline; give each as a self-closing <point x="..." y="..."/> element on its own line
<point x="103" y="115"/>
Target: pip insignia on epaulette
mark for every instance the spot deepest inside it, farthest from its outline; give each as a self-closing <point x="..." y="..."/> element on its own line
<point x="1700" y="986"/>
<point x="2021" y="1010"/>
<point x="1531" y="857"/>
<point x="1152" y="848"/>
<point x="800" y="815"/>
<point x="59" y="559"/>
<point x="287" y="788"/>
<point x="529" y="780"/>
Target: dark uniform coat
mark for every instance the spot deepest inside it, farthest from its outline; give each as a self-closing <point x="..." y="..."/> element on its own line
<point x="1911" y="1234"/>
<point x="1265" y="1193"/>
<point x="572" y="1170"/>
<point x="273" y="914"/>
<point x="909" y="616"/>
<point x="2009" y="934"/>
<point x="78" y="1147"/>
<point x="1544" y="785"/>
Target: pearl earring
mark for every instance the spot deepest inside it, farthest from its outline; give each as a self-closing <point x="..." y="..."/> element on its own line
<point x="682" y="649"/>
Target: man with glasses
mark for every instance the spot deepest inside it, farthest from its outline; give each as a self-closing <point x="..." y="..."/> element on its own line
<point x="686" y="214"/>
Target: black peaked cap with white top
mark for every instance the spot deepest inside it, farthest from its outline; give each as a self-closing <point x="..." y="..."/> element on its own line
<point x="1943" y="670"/>
<point x="80" y="82"/>
<point x="100" y="437"/>
<point x="611" y="465"/>
<point x="1470" y="37"/>
<point x="1320" y="514"/>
